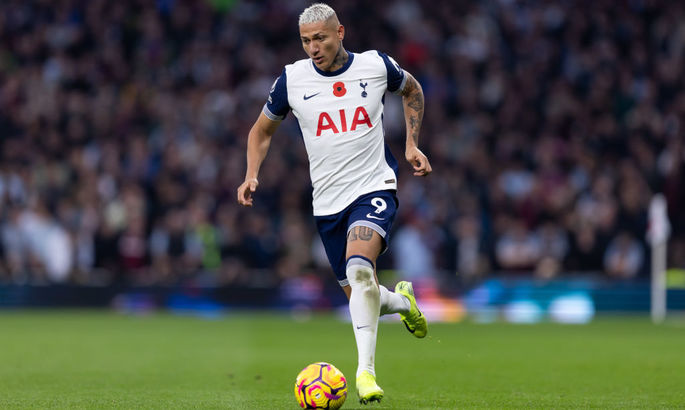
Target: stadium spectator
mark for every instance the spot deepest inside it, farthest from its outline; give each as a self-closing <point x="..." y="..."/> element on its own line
<point x="561" y="112"/>
<point x="624" y="256"/>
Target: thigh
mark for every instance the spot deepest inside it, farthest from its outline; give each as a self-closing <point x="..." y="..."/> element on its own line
<point x="364" y="241"/>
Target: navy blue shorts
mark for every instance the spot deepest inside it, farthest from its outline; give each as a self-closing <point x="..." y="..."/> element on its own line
<point x="375" y="210"/>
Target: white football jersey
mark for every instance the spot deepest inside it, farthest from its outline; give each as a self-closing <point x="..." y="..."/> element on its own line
<point x="340" y="114"/>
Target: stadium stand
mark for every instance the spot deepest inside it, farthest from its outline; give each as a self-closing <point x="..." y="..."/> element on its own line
<point x="123" y="126"/>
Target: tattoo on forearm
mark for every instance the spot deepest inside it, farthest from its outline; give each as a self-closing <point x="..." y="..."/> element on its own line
<point x="414" y="104"/>
<point x="361" y="233"/>
<point x="414" y="125"/>
<point x="413" y="121"/>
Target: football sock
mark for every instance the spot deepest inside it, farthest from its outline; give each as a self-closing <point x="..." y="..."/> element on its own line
<point x="392" y="302"/>
<point x="364" y="310"/>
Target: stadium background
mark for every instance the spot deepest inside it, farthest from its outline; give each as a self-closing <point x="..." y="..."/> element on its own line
<point x="123" y="125"/>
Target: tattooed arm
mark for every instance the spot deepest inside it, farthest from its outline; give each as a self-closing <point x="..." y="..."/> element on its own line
<point x="412" y="100"/>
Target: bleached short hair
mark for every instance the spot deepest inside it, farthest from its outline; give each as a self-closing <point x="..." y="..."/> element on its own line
<point x="315" y="13"/>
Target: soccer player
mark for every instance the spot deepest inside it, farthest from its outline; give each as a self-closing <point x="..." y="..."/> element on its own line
<point x="337" y="97"/>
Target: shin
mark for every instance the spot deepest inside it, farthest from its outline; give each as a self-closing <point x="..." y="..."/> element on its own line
<point x="364" y="309"/>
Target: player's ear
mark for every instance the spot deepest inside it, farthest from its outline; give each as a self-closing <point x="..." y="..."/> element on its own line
<point x="341" y="32"/>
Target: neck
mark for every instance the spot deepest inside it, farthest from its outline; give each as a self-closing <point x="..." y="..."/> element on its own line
<point x="340" y="59"/>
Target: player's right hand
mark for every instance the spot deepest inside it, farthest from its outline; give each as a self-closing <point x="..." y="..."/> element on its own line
<point x="245" y="191"/>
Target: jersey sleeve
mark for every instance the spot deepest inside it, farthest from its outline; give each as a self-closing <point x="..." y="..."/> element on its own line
<point x="277" y="107"/>
<point x="396" y="77"/>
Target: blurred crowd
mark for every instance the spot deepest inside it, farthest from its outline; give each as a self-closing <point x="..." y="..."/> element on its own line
<point x="123" y="125"/>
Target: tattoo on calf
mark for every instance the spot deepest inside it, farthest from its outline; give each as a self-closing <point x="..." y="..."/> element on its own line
<point x="362" y="233"/>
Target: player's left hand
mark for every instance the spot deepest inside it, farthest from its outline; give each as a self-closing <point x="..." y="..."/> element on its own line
<point x="419" y="161"/>
<point x="245" y="191"/>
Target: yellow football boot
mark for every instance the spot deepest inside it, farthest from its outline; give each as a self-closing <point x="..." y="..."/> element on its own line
<point x="367" y="389"/>
<point x="414" y="320"/>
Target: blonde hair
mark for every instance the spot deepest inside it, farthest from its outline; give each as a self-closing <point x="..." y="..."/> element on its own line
<point x="315" y="13"/>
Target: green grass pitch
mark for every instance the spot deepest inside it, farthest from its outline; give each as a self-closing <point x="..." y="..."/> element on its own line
<point x="99" y="360"/>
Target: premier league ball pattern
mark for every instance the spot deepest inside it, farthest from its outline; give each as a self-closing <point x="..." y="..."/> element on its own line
<point x="320" y="386"/>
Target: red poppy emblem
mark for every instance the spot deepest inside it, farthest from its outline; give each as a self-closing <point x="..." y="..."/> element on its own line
<point x="339" y="89"/>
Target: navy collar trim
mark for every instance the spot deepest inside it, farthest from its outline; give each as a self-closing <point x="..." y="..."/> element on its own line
<point x="339" y="70"/>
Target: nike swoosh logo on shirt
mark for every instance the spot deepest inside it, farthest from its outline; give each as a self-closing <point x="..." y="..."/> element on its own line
<point x="374" y="217"/>
<point x="306" y="97"/>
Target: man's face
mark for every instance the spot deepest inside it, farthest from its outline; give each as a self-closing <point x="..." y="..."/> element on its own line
<point x="321" y="42"/>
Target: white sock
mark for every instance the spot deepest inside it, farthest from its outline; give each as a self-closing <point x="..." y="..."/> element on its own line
<point x="364" y="309"/>
<point x="392" y="302"/>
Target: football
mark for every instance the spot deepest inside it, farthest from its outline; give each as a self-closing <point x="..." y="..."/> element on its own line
<point x="320" y="386"/>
